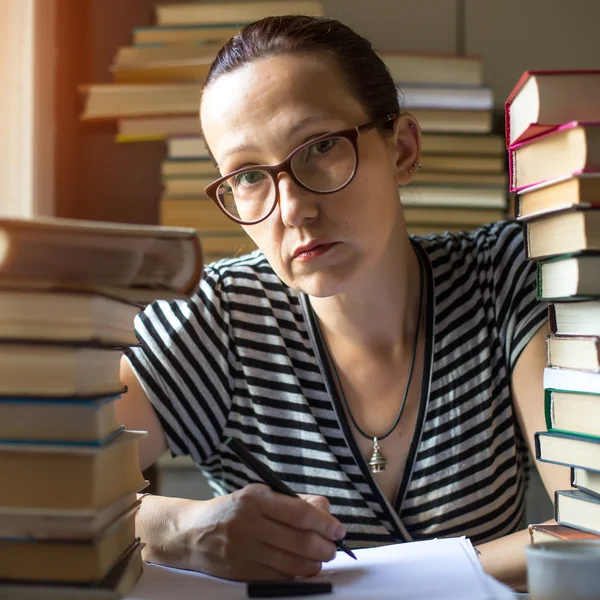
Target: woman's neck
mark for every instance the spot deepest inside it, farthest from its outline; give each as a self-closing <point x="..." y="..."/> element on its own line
<point x="379" y="312"/>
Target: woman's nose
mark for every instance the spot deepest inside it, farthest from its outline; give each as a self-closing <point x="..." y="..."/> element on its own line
<point x="296" y="204"/>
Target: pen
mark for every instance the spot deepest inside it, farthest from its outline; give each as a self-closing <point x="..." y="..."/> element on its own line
<point x="270" y="478"/>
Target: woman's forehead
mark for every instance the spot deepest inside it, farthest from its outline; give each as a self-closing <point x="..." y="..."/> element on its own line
<point x="275" y="92"/>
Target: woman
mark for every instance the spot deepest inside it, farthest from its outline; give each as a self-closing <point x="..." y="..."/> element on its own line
<point x="391" y="379"/>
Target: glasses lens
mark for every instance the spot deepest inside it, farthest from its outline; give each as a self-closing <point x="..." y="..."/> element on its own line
<point x="326" y="165"/>
<point x="248" y="196"/>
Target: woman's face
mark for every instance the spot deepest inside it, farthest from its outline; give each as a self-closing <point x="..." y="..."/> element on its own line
<point x="258" y="114"/>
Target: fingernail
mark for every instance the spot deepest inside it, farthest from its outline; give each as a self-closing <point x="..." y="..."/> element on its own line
<point x="339" y="533"/>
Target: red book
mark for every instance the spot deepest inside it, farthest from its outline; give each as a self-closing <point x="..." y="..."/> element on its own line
<point x="554" y="532"/>
<point x="543" y="100"/>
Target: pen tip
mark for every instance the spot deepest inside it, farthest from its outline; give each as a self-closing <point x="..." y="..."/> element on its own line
<point x="350" y="553"/>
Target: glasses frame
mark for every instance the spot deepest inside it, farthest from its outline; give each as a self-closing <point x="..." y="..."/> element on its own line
<point x="286" y="167"/>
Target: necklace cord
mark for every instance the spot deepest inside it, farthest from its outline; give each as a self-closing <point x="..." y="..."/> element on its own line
<point x="410" y="371"/>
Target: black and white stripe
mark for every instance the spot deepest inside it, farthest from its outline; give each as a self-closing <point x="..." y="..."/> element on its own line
<point x="241" y="359"/>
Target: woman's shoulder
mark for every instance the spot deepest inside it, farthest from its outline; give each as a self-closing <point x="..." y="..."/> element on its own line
<point x="488" y="241"/>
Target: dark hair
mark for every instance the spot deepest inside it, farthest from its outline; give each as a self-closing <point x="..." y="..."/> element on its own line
<point x="364" y="72"/>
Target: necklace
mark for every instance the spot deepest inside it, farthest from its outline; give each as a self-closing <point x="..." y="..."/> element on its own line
<point x="377" y="462"/>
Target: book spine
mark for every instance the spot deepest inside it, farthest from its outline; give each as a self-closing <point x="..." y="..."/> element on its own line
<point x="538" y="449"/>
<point x="548" y="409"/>
<point x="526" y="243"/>
<point x="551" y="320"/>
<point x="538" y="281"/>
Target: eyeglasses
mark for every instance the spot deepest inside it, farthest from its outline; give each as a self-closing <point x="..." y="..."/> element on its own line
<point x="323" y="165"/>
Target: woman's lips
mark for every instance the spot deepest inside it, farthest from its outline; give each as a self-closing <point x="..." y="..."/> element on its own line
<point x="313" y="252"/>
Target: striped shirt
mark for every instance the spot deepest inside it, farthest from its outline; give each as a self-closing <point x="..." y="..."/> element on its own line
<point x="241" y="359"/>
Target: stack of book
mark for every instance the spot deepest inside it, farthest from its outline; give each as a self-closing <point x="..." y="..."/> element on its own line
<point x="69" y="293"/>
<point x="463" y="180"/>
<point x="553" y="136"/>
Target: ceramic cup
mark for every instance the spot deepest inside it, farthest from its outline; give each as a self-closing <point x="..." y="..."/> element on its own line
<point x="564" y="570"/>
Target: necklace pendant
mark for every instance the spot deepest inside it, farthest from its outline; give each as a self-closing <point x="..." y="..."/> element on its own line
<point x="377" y="463"/>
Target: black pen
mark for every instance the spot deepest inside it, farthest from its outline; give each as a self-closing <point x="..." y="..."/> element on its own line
<point x="270" y="478"/>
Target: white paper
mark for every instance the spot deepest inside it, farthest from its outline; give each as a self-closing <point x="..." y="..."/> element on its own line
<point x="445" y="569"/>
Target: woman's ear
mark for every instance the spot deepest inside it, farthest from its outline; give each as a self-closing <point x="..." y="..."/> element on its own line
<point x="407" y="141"/>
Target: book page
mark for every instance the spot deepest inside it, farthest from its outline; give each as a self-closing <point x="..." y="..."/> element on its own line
<point x="438" y="569"/>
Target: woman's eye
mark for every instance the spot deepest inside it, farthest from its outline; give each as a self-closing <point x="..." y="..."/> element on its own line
<point x="321" y="147"/>
<point x="249" y="178"/>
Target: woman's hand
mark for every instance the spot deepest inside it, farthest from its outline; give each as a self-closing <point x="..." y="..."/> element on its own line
<point x="251" y="534"/>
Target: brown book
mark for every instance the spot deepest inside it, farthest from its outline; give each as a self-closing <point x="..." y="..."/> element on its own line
<point x="137" y="56"/>
<point x="65" y="477"/>
<point x="464" y="217"/>
<point x="52" y="370"/>
<point x="191" y="70"/>
<point x="189" y="169"/>
<point x="155" y="128"/>
<point x="433" y="68"/>
<point x="118" y="583"/>
<point x="444" y="178"/>
<point x="562" y="233"/>
<point x="66" y="317"/>
<point x="554" y="532"/>
<point x="232" y="13"/>
<point x="570" y="150"/>
<point x="186" y="187"/>
<point x="572" y="352"/>
<point x="67" y="561"/>
<point x="453" y="121"/>
<point x="184" y="36"/>
<point x="544" y="100"/>
<point x="116" y="100"/>
<point x="468" y="164"/>
<point x="29" y="420"/>
<point x="136" y="262"/>
<point x="56" y="524"/>
<point x="581" y="190"/>
<point x="201" y="213"/>
<point x="462" y="144"/>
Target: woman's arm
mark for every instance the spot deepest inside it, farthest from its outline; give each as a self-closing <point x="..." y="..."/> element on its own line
<point x="253" y="533"/>
<point x="504" y="558"/>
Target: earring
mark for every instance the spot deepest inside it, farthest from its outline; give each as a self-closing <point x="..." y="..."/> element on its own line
<point x="417" y="166"/>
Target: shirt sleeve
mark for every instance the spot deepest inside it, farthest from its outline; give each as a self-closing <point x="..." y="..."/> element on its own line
<point x="185" y="364"/>
<point x="519" y="314"/>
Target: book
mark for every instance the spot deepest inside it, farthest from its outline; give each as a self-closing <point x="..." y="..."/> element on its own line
<point x="553" y="532"/>
<point x="575" y="318"/>
<point x="187" y="147"/>
<point x="586" y="481"/>
<point x="67" y="317"/>
<point x="178" y="187"/>
<point x="69" y="476"/>
<point x="446" y="196"/>
<point x="57" y="524"/>
<point x="466" y="97"/>
<point x="460" y="178"/>
<point x="442" y="120"/>
<point x="543" y="100"/>
<point x="572" y="380"/>
<point x="567" y="449"/>
<point x="55" y="420"/>
<point x="118" y="583"/>
<point x="199" y="212"/>
<point x="571" y="149"/>
<point x="156" y="128"/>
<point x="189" y="70"/>
<point x="53" y="370"/>
<point x="183" y="35"/>
<point x="465" y="217"/>
<point x="67" y="561"/>
<point x="466" y="164"/>
<point x="134" y="56"/>
<point x="106" y="101"/>
<point x="433" y="69"/>
<point x="574" y="508"/>
<point x="135" y="262"/>
<point x="572" y="352"/>
<point x="568" y="277"/>
<point x="188" y="169"/>
<point x="581" y="190"/>
<point x="232" y="13"/>
<point x="462" y="144"/>
<point x="567" y="232"/>
<point x="572" y="412"/>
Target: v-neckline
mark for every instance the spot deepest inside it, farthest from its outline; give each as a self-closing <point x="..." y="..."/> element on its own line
<point x="390" y="511"/>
